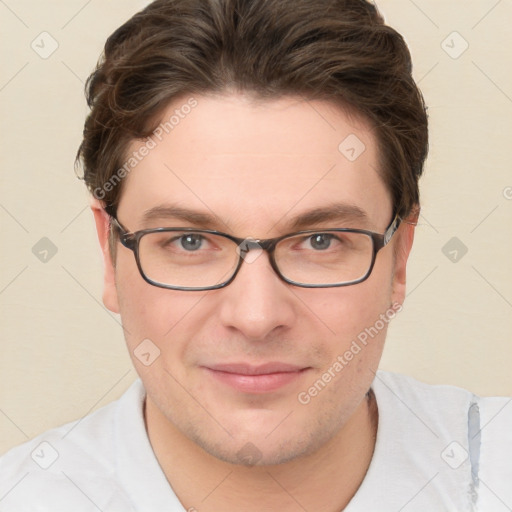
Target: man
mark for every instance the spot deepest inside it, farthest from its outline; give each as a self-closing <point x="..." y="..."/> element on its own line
<point x="254" y="169"/>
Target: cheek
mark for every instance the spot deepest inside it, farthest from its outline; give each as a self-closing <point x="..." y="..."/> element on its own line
<point x="151" y="313"/>
<point x="346" y="311"/>
<point x="356" y="318"/>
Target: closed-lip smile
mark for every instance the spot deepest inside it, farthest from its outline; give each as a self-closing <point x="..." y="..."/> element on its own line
<point x="251" y="378"/>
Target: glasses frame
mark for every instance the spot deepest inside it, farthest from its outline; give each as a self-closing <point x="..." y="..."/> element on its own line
<point x="131" y="240"/>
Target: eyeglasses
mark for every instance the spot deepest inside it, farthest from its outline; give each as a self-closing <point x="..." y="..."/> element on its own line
<point x="201" y="259"/>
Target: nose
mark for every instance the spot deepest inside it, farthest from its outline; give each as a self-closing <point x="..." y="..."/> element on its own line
<point x="257" y="302"/>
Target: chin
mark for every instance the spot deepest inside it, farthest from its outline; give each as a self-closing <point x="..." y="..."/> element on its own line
<point x="263" y="449"/>
<point x="249" y="454"/>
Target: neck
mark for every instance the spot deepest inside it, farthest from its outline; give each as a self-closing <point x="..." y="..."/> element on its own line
<point x="324" y="481"/>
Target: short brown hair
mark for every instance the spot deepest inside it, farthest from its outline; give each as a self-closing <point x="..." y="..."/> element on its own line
<point x="335" y="50"/>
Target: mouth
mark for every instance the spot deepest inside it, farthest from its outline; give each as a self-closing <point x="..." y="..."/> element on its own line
<point x="264" y="378"/>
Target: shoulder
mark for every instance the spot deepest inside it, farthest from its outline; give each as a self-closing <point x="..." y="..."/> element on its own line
<point x="461" y="440"/>
<point x="77" y="459"/>
<point x="445" y="403"/>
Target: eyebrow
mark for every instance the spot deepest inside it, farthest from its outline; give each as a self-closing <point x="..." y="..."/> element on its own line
<point x="202" y="219"/>
<point x="340" y="213"/>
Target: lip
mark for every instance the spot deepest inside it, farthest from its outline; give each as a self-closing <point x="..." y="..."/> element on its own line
<point x="248" y="378"/>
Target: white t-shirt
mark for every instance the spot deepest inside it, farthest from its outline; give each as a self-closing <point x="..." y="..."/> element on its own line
<point x="439" y="448"/>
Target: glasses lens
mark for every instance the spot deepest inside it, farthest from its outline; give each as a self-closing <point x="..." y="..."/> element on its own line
<point x="187" y="259"/>
<point x="325" y="257"/>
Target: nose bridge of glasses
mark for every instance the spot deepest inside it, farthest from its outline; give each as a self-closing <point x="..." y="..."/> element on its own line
<point x="252" y="244"/>
<point x="255" y="244"/>
<point x="249" y="249"/>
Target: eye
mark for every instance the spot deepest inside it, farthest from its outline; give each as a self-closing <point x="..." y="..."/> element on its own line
<point x="191" y="241"/>
<point x="320" y="241"/>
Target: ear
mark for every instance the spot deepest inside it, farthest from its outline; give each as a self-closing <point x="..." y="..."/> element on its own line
<point x="102" y="221"/>
<point x="403" y="245"/>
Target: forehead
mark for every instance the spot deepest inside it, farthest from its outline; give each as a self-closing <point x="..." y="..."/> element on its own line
<point x="255" y="164"/>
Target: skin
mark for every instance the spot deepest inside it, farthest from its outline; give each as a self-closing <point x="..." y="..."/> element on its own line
<point x="256" y="166"/>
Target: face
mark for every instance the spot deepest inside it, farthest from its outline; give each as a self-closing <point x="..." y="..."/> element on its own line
<point x="256" y="170"/>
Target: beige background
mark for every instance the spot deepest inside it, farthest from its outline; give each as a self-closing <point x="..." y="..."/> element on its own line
<point x="62" y="352"/>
